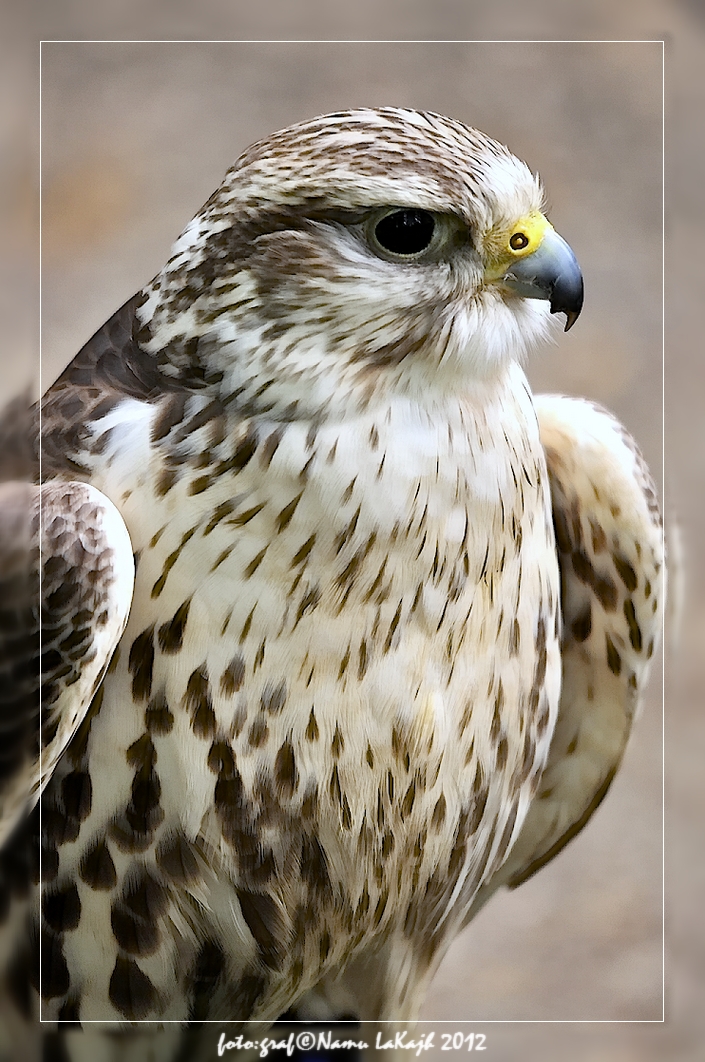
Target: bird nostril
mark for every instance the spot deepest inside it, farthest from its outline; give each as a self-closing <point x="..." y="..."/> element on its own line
<point x="519" y="241"/>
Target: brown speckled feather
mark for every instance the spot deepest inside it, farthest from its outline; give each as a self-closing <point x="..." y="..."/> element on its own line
<point x="609" y="539"/>
<point x="65" y="544"/>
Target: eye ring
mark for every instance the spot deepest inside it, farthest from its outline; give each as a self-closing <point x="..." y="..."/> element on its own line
<point x="406" y="232"/>
<point x="518" y="241"/>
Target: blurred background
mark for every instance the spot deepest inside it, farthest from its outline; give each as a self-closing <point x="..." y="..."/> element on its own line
<point x="134" y="138"/>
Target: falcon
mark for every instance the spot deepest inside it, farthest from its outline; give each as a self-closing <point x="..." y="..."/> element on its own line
<point x="390" y="616"/>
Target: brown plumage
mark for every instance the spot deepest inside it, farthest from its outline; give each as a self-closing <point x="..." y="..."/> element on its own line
<point x="332" y="727"/>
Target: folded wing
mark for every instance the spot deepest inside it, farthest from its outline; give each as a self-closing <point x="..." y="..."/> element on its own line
<point x="66" y="581"/>
<point x="610" y="547"/>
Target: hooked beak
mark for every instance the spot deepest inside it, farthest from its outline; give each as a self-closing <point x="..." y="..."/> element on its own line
<point x="550" y="272"/>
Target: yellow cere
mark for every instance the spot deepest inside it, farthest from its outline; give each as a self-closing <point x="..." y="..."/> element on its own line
<point x="504" y="246"/>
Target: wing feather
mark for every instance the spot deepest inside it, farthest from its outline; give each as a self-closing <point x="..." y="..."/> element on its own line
<point x="66" y="545"/>
<point x="609" y="540"/>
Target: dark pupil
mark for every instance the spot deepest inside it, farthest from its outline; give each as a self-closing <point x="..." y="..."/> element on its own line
<point x="405" y="231"/>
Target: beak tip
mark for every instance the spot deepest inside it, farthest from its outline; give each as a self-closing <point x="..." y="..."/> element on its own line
<point x="571" y="316"/>
<point x="567" y="296"/>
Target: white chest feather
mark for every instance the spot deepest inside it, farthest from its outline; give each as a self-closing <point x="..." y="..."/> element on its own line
<point x="353" y="626"/>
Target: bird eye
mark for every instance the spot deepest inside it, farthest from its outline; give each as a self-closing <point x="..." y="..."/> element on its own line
<point x="405" y="232"/>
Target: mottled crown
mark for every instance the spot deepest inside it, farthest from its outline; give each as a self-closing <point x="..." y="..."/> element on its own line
<point x="373" y="157"/>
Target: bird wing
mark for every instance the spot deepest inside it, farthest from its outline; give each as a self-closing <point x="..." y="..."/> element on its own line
<point x="66" y="581"/>
<point x="610" y="548"/>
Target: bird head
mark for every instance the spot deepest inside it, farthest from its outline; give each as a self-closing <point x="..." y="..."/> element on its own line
<point x="358" y="254"/>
